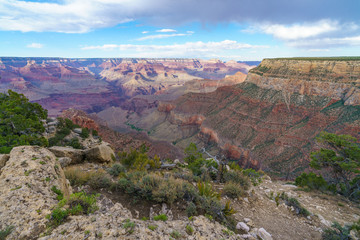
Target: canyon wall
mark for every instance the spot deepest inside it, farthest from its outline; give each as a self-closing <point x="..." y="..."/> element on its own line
<point x="270" y="121"/>
<point x="95" y="84"/>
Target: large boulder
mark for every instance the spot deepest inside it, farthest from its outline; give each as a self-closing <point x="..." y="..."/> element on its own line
<point x="100" y="153"/>
<point x="3" y="159"/>
<point x="25" y="190"/>
<point x="76" y="155"/>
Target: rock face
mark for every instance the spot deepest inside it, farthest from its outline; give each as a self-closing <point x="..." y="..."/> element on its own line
<point x="76" y="155"/>
<point x="330" y="78"/>
<point x="25" y="190"/>
<point x="267" y="127"/>
<point x="3" y="159"/>
<point x="98" y="83"/>
<point x="101" y="153"/>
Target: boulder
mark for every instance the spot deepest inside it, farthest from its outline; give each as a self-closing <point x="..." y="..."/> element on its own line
<point x="76" y="155"/>
<point x="25" y="190"/>
<point x="242" y="227"/>
<point x="77" y="130"/>
<point x="3" y="159"/>
<point x="65" y="161"/>
<point x="263" y="234"/>
<point x="100" y="153"/>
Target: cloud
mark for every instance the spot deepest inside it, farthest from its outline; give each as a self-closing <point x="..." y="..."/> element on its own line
<point x="161" y="36"/>
<point x="299" y="31"/>
<point x="79" y="16"/>
<point x="166" y="30"/>
<point x="328" y="42"/>
<point x="189" y="49"/>
<point x="35" y="45"/>
<point x="144" y="32"/>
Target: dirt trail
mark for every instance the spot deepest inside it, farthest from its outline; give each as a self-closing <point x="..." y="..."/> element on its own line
<point x="282" y="223"/>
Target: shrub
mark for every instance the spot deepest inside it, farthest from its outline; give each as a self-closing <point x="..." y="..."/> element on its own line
<point x="6" y="232"/>
<point x="129" y="226"/>
<point x="78" y="177"/>
<point x="94" y="132"/>
<point x="206" y="190"/>
<point x="293" y="202"/>
<point x="175" y="234"/>
<point x="84" y="133"/>
<point x="255" y="176"/>
<point x="58" y="192"/>
<point x="74" y="142"/>
<point x="233" y="190"/>
<point x="80" y="203"/>
<point x="116" y="169"/>
<point x="153" y="227"/>
<point x="138" y="160"/>
<point x="338" y="232"/>
<point x="191" y="209"/>
<point x="238" y="178"/>
<point x="189" y="229"/>
<point x="161" y="217"/>
<point x="58" y="216"/>
<point x="228" y="210"/>
<point x="311" y="181"/>
<point x="99" y="180"/>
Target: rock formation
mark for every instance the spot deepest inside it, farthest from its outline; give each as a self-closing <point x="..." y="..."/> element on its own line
<point x="270" y="120"/>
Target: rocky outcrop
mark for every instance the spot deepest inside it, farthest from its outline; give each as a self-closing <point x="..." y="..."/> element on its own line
<point x="101" y="153"/>
<point x="76" y="155"/>
<point x="329" y="78"/>
<point x="25" y="190"/>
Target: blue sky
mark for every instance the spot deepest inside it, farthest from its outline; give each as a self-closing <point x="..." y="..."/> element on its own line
<point x="224" y="29"/>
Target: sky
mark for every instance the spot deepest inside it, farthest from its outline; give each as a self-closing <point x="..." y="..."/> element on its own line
<point x="241" y="30"/>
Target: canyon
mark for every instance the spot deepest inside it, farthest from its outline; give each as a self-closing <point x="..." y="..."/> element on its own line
<point x="269" y="121"/>
<point x="97" y="83"/>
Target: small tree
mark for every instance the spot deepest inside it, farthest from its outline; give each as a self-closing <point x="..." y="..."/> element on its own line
<point x="342" y="157"/>
<point x="20" y="122"/>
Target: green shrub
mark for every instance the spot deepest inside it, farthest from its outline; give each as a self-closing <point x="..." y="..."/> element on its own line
<point x="138" y="160"/>
<point x="129" y="226"/>
<point x="58" y="192"/>
<point x="20" y="122"/>
<point x="293" y="202"/>
<point x="153" y="227"/>
<point x="94" y="132"/>
<point x="84" y="133"/>
<point x="116" y="169"/>
<point x="161" y="217"/>
<point x="99" y="180"/>
<point x="233" y="190"/>
<point x="206" y="190"/>
<point x="6" y="232"/>
<point x="189" y="229"/>
<point x="175" y="234"/>
<point x="78" y="177"/>
<point x="337" y="233"/>
<point x="58" y="216"/>
<point x="255" y="176"/>
<point x="311" y="181"/>
<point x="74" y="142"/>
<point x="238" y="178"/>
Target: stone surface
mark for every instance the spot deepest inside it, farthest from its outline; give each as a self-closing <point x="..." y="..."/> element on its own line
<point x="263" y="234"/>
<point x="64" y="161"/>
<point x="25" y="190"/>
<point x="100" y="153"/>
<point x="243" y="227"/>
<point x="76" y="155"/>
<point x="3" y="159"/>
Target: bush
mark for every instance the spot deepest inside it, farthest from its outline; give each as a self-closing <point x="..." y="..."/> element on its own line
<point x="191" y="209"/>
<point x="238" y="178"/>
<point x="58" y="216"/>
<point x="99" y="180"/>
<point x="20" y="122"/>
<point x="161" y="217"/>
<point x="80" y="203"/>
<point x="116" y="169"/>
<point x="138" y="160"/>
<point x="58" y="192"/>
<point x="84" y="133"/>
<point x="74" y="142"/>
<point x="189" y="229"/>
<point x="78" y="177"/>
<point x="153" y="227"/>
<point x="129" y="226"/>
<point x="206" y="190"/>
<point x="337" y="233"/>
<point x="311" y="181"/>
<point x="233" y="190"/>
<point x="175" y="234"/>
<point x="293" y="202"/>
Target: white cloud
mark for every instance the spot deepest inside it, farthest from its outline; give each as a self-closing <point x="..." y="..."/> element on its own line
<point x="166" y="30"/>
<point x="160" y="36"/>
<point x="144" y="32"/>
<point x="327" y="42"/>
<point x="35" y="45"/>
<point x="300" y="31"/>
<point x="189" y="49"/>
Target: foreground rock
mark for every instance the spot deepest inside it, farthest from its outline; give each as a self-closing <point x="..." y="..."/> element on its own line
<point x="76" y="155"/>
<point x="25" y="190"/>
<point x="3" y="159"/>
<point x="100" y="153"/>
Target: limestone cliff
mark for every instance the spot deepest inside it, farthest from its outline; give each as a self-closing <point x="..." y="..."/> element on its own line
<point x="330" y="78"/>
